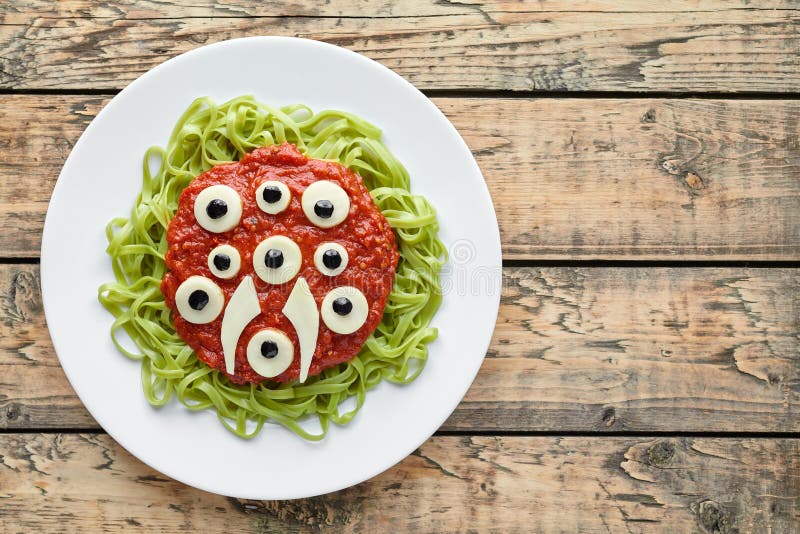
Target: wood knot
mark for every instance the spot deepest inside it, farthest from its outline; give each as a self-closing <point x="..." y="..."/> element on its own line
<point x="317" y="513"/>
<point x="649" y="116"/>
<point x="12" y="412"/>
<point x="609" y="416"/>
<point x="693" y="181"/>
<point x="712" y="517"/>
<point x="671" y="167"/>
<point x="660" y="453"/>
<point x="22" y="299"/>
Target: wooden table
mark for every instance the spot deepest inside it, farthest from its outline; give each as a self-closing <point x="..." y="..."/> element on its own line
<point x="644" y="160"/>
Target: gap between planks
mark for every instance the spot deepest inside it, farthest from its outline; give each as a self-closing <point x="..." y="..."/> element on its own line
<point x="491" y="94"/>
<point x="501" y="433"/>
<point x="590" y="264"/>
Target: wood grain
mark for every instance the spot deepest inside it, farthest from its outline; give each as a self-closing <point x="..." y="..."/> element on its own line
<point x="21" y="11"/>
<point x="641" y="349"/>
<point x="575" y="349"/>
<point x="604" y="352"/>
<point x="570" y="178"/>
<point x="646" y="179"/>
<point x="451" y="484"/>
<point x="495" y="45"/>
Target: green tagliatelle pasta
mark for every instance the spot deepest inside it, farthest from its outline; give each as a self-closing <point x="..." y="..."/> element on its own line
<point x="208" y="134"/>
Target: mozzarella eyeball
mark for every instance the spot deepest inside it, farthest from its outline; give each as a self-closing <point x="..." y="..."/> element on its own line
<point x="218" y="208"/>
<point x="199" y="300"/>
<point x="325" y="204"/>
<point x="344" y="309"/>
<point x="277" y="259"/>
<point x="330" y="259"/>
<point x="270" y="352"/>
<point x="224" y="262"/>
<point x="273" y="197"/>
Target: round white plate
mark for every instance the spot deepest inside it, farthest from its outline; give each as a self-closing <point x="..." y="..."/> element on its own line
<point x="101" y="179"/>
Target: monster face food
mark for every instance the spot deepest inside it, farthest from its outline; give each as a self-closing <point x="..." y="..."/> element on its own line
<point x="279" y="266"/>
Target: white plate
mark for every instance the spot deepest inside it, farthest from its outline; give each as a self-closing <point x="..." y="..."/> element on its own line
<point x="101" y="179"/>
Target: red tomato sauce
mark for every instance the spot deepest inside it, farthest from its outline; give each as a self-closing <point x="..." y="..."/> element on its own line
<point x="365" y="234"/>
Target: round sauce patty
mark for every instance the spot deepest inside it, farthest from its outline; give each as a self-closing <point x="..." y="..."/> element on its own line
<point x="365" y="234"/>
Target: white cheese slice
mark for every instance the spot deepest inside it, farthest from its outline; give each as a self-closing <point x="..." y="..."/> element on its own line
<point x="325" y="190"/>
<point x="350" y="322"/>
<point x="232" y="203"/>
<point x="242" y="308"/>
<point x="301" y="310"/>
<point x="272" y="365"/>
<point x="319" y="259"/>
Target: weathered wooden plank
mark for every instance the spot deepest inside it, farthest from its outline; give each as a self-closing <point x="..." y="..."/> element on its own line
<point x="654" y="179"/>
<point x="633" y="46"/>
<point x="574" y="178"/>
<point x="33" y="387"/>
<point x="451" y="484"/>
<point x="641" y="349"/>
<point x="21" y="11"/>
<point x="31" y="155"/>
<point x="575" y="349"/>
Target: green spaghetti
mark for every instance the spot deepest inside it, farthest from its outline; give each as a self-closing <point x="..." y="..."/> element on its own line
<point x="208" y="134"/>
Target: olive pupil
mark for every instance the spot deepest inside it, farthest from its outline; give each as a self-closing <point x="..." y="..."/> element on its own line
<point x="216" y="208"/>
<point x="332" y="259"/>
<point x="198" y="299"/>
<point x="222" y="262"/>
<point x="269" y="349"/>
<point x="342" y="306"/>
<point x="271" y="194"/>
<point x="323" y="208"/>
<point x="273" y="258"/>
